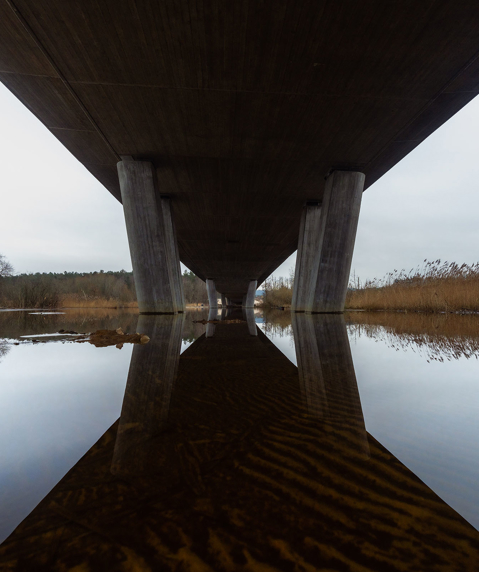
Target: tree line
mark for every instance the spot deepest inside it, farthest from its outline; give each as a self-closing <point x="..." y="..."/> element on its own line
<point x="53" y="290"/>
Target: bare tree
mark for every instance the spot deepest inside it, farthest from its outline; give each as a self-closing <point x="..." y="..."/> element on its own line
<point x="6" y="269"/>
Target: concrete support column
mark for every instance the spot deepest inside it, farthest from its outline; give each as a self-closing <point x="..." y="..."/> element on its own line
<point x="212" y="295"/>
<point x="248" y="301"/>
<point x="223" y="300"/>
<point x="173" y="253"/>
<point x="307" y="258"/>
<point x="147" y="238"/>
<point x="338" y="225"/>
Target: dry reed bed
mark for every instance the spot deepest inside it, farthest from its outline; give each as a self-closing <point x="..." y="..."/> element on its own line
<point x="434" y="287"/>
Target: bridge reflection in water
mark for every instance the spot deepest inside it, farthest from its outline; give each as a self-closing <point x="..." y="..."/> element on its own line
<point x="228" y="457"/>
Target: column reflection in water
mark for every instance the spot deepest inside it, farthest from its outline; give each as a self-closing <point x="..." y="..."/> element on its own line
<point x="248" y="315"/>
<point x="210" y="328"/>
<point x="151" y="377"/>
<point x="326" y="373"/>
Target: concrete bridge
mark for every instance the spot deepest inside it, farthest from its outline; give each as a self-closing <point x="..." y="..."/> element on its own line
<point x="236" y="132"/>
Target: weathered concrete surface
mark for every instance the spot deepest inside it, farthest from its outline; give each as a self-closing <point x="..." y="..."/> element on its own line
<point x="147" y="238"/>
<point x="173" y="254"/>
<point x="338" y="225"/>
<point x="248" y="301"/>
<point x="242" y="107"/>
<point x="212" y="294"/>
<point x="307" y="258"/>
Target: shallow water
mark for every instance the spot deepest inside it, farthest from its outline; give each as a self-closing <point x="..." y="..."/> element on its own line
<point x="417" y="394"/>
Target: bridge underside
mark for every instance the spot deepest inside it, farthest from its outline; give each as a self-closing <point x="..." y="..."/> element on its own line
<point x="243" y="108"/>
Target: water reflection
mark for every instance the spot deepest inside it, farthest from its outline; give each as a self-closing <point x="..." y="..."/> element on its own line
<point x="57" y="398"/>
<point x="420" y="393"/>
<point x="437" y="337"/>
<point x="248" y="315"/>
<point x="4" y="348"/>
<point x="15" y="324"/>
<point x="228" y="457"/>
<point x="148" y="391"/>
<point x="326" y="373"/>
<point x="276" y="324"/>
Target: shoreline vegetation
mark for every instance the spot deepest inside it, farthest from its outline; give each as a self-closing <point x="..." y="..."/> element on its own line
<point x="84" y="290"/>
<point x="434" y="287"/>
<point x="278" y="292"/>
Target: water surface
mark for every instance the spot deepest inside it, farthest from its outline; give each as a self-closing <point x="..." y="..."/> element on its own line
<point x="402" y="383"/>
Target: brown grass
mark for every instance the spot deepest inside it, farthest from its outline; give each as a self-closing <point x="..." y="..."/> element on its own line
<point x="435" y="287"/>
<point x="278" y="292"/>
<point x="73" y="301"/>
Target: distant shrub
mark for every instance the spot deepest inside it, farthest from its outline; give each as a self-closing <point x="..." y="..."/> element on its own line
<point x="24" y="292"/>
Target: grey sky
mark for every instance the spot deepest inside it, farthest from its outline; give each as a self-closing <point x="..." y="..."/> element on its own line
<point x="55" y="216"/>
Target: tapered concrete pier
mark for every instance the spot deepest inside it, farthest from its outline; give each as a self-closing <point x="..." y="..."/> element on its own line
<point x="248" y="300"/>
<point x="326" y="244"/>
<point x="223" y="300"/>
<point x="173" y="254"/>
<point x="154" y="254"/>
<point x="212" y="294"/>
<point x="339" y="223"/>
<point x="307" y="258"/>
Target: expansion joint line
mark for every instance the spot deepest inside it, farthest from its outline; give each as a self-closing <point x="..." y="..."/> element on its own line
<point x="57" y="70"/>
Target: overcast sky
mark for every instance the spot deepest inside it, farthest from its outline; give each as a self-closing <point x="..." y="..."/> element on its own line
<point x="55" y="216"/>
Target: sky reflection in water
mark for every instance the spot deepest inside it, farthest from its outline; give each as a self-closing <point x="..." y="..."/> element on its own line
<point x="418" y="378"/>
<point x="57" y="399"/>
